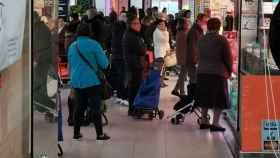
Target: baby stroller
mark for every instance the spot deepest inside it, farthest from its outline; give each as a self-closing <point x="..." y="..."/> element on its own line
<point x="186" y="105"/>
<point x="147" y="99"/>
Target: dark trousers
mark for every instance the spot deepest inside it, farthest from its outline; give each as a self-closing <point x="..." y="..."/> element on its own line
<point x="134" y="82"/>
<point x="118" y="78"/>
<point x="88" y="97"/>
<point x="40" y="77"/>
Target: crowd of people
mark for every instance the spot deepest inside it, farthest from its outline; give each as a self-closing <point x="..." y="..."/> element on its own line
<point x="204" y="58"/>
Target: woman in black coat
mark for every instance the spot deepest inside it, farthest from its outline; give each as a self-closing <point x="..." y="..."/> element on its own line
<point x="134" y="55"/>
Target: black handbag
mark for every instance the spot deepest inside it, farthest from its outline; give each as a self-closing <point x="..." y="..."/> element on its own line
<point x="106" y="88"/>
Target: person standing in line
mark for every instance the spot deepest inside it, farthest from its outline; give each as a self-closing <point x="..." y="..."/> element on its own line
<point x="161" y="44"/>
<point x="61" y="36"/>
<point x="181" y="37"/>
<point x="118" y="68"/>
<point x="134" y="55"/>
<point x="84" y="56"/>
<point x="164" y="12"/>
<point x="71" y="29"/>
<point x="123" y="11"/>
<point x="195" y="33"/>
<point x="148" y="28"/>
<point x="53" y="25"/>
<point x="155" y="12"/>
<point x="214" y="68"/>
<point x="42" y="58"/>
<point x="96" y="23"/>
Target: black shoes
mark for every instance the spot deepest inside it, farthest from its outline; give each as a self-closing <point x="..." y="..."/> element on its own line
<point x="77" y="137"/>
<point x="103" y="137"/>
<point x="176" y="93"/>
<point x="217" y="129"/>
<point x="212" y="128"/>
<point x="205" y="126"/>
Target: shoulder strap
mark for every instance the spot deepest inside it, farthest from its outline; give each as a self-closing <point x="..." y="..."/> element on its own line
<point x="84" y="59"/>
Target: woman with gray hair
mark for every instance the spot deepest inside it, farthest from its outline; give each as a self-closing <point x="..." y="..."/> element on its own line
<point x="214" y="68"/>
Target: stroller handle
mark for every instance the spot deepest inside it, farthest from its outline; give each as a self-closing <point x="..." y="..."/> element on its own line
<point x="179" y="111"/>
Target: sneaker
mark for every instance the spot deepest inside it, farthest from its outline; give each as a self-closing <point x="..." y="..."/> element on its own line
<point x="124" y="102"/>
<point x="103" y="137"/>
<point x="118" y="101"/>
<point x="78" y="137"/>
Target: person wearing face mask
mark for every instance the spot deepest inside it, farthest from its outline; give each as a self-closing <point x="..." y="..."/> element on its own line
<point x="194" y="35"/>
<point x="161" y="44"/>
<point x="134" y="56"/>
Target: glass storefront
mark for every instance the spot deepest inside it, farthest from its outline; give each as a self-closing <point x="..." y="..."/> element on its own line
<point x="170" y="5"/>
<point x="255" y="29"/>
<point x="259" y="90"/>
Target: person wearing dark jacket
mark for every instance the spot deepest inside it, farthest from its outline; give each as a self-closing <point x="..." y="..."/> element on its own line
<point x="118" y="69"/>
<point x="195" y="33"/>
<point x="97" y="24"/>
<point x="42" y="58"/>
<point x="61" y="36"/>
<point x="214" y="68"/>
<point x="134" y="55"/>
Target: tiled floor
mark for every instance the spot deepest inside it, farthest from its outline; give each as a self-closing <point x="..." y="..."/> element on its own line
<point x="147" y="139"/>
<point x="139" y="138"/>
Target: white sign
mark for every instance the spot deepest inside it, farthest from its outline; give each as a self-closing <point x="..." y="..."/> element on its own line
<point x="12" y="21"/>
<point x="270" y="135"/>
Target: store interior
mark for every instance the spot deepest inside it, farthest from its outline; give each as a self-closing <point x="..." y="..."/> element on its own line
<point x="246" y="25"/>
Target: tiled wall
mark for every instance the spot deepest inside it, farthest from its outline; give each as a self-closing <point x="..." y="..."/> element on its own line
<point x="15" y="105"/>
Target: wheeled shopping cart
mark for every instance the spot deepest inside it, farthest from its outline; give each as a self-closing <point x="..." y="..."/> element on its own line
<point x="147" y="99"/>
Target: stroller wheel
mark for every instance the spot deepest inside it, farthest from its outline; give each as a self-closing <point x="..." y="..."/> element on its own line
<point x="161" y="114"/>
<point x="174" y="121"/>
<point x="138" y="113"/>
<point x="180" y="118"/>
<point x="151" y="116"/>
